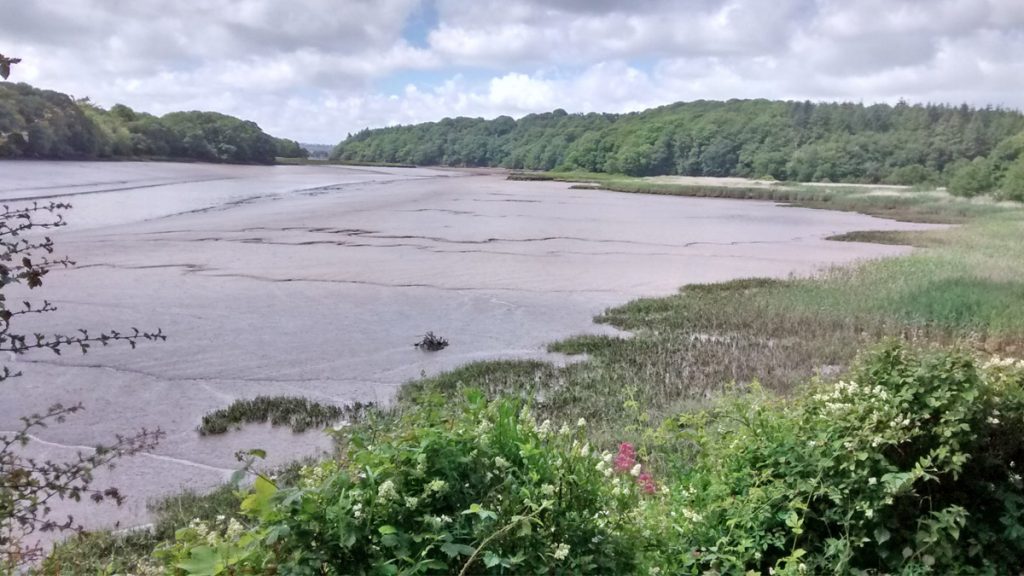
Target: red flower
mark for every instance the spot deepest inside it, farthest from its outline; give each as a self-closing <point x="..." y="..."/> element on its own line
<point x="626" y="458"/>
<point x="646" y="482"/>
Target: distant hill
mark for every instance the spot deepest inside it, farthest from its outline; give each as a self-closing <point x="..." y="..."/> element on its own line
<point x="803" y="141"/>
<point x="37" y="123"/>
<point x="318" y="151"/>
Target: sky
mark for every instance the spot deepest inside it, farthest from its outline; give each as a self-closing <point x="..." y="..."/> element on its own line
<point x="316" y="70"/>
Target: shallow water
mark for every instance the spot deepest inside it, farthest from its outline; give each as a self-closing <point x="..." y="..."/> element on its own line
<point x="317" y="280"/>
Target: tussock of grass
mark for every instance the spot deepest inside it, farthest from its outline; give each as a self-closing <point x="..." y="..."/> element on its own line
<point x="584" y="344"/>
<point x="300" y="414"/>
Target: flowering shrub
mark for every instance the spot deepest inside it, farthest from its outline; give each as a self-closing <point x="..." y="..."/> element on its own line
<point x="909" y="467"/>
<point x="477" y="489"/>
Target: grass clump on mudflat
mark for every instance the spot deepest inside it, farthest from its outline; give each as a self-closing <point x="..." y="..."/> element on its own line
<point x="300" y="414"/>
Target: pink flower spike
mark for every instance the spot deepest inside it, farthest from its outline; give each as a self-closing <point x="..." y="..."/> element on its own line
<point x="646" y="482"/>
<point x="626" y="458"/>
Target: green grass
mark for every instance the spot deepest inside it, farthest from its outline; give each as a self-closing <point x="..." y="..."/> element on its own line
<point x="300" y="414"/>
<point x="909" y="205"/>
<point x="963" y="285"/>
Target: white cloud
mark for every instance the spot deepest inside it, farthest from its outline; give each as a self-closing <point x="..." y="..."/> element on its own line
<point x="314" y="69"/>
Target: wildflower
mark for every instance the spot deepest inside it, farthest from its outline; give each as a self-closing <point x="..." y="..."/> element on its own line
<point x="446" y="519"/>
<point x="437" y="486"/>
<point x="585" y="450"/>
<point x="581" y="422"/>
<point x="872" y="481"/>
<point x="626" y="458"/>
<point x="635" y="471"/>
<point x="500" y="462"/>
<point x="547" y="490"/>
<point x="646" y="482"/>
<point x="357" y="510"/>
<point x="561" y="551"/>
<point x="564" y="430"/>
<point x="234" y="530"/>
<point x="545" y="428"/>
<point x="691" y="515"/>
<point x="411" y="502"/>
<point x="386" y="491"/>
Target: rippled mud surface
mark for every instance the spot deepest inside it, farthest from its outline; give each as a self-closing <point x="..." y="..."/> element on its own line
<point x="317" y="280"/>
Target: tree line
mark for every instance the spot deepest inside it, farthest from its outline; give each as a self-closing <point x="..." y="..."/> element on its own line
<point x="972" y="150"/>
<point x="37" y="123"/>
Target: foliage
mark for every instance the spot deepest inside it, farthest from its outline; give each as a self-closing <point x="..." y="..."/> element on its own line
<point x="1012" y="187"/>
<point x="130" y="552"/>
<point x="909" y="467"/>
<point x="971" y="178"/>
<point x="802" y="141"/>
<point x="38" y="123"/>
<point x="300" y="414"/>
<point x="290" y="149"/>
<point x="29" y="486"/>
<point x="5" y="65"/>
<point x="473" y="488"/>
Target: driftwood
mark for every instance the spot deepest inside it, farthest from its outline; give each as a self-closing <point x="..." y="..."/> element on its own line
<point x="432" y="343"/>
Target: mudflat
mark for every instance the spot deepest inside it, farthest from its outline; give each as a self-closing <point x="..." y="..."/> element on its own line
<point x="317" y="280"/>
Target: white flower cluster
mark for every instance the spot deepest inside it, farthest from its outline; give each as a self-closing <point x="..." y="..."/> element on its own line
<point x="604" y="465"/>
<point x="386" y="491"/>
<point x="842" y="393"/>
<point x="691" y="515"/>
<point x="218" y="531"/>
<point x="999" y="362"/>
<point x="313" y="476"/>
<point x="561" y="552"/>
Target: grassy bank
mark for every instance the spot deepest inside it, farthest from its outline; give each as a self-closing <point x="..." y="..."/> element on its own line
<point x="963" y="288"/>
<point x="907" y="204"/>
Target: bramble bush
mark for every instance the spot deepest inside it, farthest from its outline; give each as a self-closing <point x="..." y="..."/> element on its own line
<point x="480" y="488"/>
<point x="908" y="467"/>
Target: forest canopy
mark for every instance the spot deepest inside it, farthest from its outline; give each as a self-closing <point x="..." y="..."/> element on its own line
<point x="801" y="141"/>
<point x="37" y="123"/>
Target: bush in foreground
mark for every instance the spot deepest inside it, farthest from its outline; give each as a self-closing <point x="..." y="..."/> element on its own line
<point x="478" y="489"/>
<point x="910" y="467"/>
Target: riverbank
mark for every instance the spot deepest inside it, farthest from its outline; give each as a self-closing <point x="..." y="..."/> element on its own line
<point x="963" y="286"/>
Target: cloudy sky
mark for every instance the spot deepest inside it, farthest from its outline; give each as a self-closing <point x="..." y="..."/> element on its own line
<point x="315" y="70"/>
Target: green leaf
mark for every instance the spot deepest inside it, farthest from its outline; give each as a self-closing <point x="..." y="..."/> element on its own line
<point x="452" y="549"/>
<point x="881" y="535"/>
<point x="387" y="529"/>
<point x="491" y="559"/>
<point x="258" y="501"/>
<point x="203" y="561"/>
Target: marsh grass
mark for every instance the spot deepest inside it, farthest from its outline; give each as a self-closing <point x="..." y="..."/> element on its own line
<point x="964" y="286"/>
<point x="300" y="414"/>
<point x="910" y="205"/>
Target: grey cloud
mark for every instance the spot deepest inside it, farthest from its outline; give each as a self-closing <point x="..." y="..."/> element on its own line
<point x="311" y="68"/>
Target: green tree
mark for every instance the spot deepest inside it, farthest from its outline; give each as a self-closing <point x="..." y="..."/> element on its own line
<point x="972" y="178"/>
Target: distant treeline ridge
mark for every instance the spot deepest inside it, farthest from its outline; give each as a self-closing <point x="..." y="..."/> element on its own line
<point x="973" y="150"/>
<point x="38" y="123"/>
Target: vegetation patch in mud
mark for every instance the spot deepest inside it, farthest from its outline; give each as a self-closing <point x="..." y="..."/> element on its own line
<point x="299" y="414"/>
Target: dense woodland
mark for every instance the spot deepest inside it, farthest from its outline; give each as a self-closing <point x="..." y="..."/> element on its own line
<point x="38" y="123"/>
<point x="975" y="150"/>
